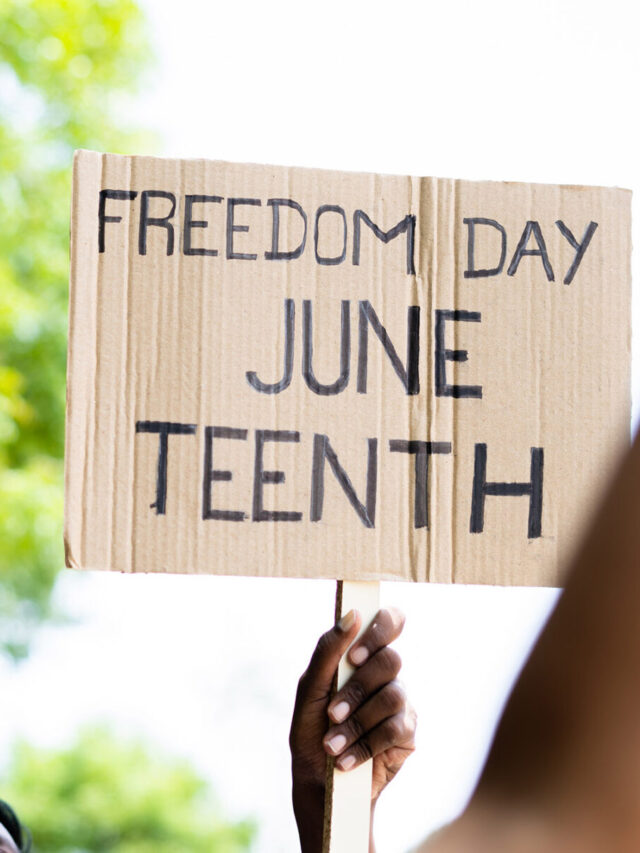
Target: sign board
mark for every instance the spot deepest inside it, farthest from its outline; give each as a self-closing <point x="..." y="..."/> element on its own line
<point x="291" y="372"/>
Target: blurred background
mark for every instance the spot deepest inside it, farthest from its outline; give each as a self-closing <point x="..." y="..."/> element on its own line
<point x="151" y="713"/>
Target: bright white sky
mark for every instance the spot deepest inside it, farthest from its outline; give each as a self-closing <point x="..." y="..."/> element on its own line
<point x="207" y="667"/>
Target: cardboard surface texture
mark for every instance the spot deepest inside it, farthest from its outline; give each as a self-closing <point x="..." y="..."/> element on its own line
<point x="291" y="372"/>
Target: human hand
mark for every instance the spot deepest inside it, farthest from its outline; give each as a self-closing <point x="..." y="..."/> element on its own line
<point x="369" y="717"/>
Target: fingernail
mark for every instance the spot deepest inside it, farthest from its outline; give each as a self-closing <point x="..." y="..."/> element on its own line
<point x="340" y="712"/>
<point x="347" y="622"/>
<point x="346" y="762"/>
<point x="337" y="743"/>
<point x="359" y="655"/>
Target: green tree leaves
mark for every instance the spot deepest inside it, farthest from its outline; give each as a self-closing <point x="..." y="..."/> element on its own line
<point x="103" y="794"/>
<point x="65" y="66"/>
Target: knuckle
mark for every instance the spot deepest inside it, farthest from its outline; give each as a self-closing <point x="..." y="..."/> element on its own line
<point x="325" y="643"/>
<point x="408" y="725"/>
<point x="400" y="692"/>
<point x="393" y="697"/>
<point x="324" y="648"/>
<point x="412" y="725"/>
<point x="395" y="730"/>
<point x="354" y="727"/>
<point x="355" y="693"/>
<point x="362" y="750"/>
<point x="391" y="661"/>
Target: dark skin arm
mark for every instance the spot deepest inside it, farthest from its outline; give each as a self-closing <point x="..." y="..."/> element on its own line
<point x="368" y="717"/>
<point x="563" y="773"/>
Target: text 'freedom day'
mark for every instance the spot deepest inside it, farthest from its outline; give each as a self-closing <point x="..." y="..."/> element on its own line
<point x="158" y="210"/>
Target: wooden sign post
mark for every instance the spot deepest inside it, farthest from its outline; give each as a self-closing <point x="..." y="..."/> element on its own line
<point x="297" y="373"/>
<point x="348" y="795"/>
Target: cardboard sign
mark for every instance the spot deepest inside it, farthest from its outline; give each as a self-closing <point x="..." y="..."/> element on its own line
<point x="282" y="371"/>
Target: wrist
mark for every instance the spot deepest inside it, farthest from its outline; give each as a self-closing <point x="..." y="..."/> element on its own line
<point x="308" y="809"/>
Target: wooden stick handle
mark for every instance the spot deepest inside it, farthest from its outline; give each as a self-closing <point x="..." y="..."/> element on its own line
<point x="347" y="811"/>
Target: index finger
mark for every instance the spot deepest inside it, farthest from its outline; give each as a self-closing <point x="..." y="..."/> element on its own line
<point x="386" y="626"/>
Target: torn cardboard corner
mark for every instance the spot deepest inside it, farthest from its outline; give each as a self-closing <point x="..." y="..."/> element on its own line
<point x="300" y="373"/>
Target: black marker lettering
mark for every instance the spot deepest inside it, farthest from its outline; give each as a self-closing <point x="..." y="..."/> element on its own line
<point x="443" y="355"/>
<point x="408" y="224"/>
<point x="117" y="195"/>
<point x="580" y="248"/>
<point x="422" y="450"/>
<point x="164" y="429"/>
<point x="533" y="489"/>
<point x="211" y="475"/>
<point x="190" y="223"/>
<point x="232" y="228"/>
<point x="159" y="221"/>
<point x="276" y="254"/>
<point x="532" y="227"/>
<point x="471" y="271"/>
<point x="322" y="450"/>
<point x="289" y="337"/>
<point x="260" y="476"/>
<point x="307" y="351"/>
<point x="338" y="259"/>
<point x="409" y="376"/>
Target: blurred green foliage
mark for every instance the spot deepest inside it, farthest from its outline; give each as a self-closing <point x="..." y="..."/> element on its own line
<point x="65" y="69"/>
<point x="104" y="794"/>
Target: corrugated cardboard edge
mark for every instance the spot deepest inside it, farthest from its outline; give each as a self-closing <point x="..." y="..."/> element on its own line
<point x="75" y="425"/>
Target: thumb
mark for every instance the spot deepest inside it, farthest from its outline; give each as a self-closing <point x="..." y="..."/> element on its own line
<point x="318" y="678"/>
